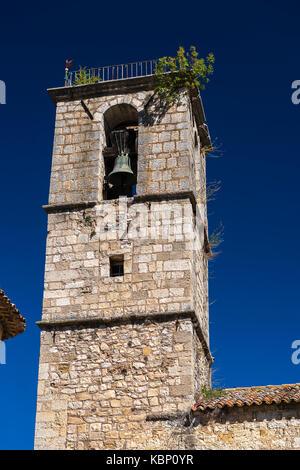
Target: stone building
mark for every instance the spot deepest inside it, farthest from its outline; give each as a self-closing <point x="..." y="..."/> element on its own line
<point x="11" y="322"/>
<point x="124" y="331"/>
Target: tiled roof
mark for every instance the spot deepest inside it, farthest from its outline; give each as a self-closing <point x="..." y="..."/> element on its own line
<point x="10" y="318"/>
<point x="267" y="394"/>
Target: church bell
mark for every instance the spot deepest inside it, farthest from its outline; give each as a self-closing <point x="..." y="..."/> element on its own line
<point x="122" y="174"/>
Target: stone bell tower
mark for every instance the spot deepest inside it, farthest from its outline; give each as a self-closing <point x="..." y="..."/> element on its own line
<point x="124" y="329"/>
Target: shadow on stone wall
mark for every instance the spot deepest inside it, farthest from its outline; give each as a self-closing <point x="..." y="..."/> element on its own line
<point x="155" y="109"/>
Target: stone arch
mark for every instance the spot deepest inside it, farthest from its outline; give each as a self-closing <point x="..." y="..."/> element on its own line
<point x="132" y="100"/>
<point x="120" y="131"/>
<point x="119" y="116"/>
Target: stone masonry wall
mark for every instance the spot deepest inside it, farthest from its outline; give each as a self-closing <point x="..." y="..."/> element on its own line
<point x="97" y="385"/>
<point x="164" y="146"/>
<point x="263" y="427"/>
<point x="164" y="149"/>
<point x="157" y="269"/>
<point x="122" y="358"/>
<point x="168" y="161"/>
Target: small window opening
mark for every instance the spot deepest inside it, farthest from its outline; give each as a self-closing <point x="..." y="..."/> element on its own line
<point x="116" y="265"/>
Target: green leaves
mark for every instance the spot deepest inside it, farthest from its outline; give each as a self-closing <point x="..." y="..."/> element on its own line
<point x="184" y="70"/>
<point x="84" y="77"/>
<point x="216" y="237"/>
<point x="211" y="393"/>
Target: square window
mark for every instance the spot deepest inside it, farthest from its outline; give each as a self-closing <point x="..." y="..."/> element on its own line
<point x="116" y="265"/>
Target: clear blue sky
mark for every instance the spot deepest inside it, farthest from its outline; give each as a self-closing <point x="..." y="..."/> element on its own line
<point x="255" y="280"/>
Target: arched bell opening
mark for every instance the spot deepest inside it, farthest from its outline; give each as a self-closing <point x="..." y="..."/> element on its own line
<point x="120" y="154"/>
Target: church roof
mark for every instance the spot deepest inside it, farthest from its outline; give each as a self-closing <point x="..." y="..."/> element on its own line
<point x="10" y="318"/>
<point x="248" y="396"/>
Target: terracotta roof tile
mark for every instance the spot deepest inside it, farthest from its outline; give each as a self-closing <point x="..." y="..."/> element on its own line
<point x="248" y="396"/>
<point x="10" y="318"/>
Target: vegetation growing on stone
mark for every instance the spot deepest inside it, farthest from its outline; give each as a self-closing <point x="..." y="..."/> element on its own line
<point x="216" y="236"/>
<point x="184" y="70"/>
<point x="211" y="393"/>
<point x="83" y="77"/>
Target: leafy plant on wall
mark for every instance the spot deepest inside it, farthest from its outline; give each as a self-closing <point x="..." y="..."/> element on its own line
<point x="184" y="70"/>
<point x="83" y="77"/>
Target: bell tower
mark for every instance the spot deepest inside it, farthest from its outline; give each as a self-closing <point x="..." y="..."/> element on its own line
<point x="124" y="328"/>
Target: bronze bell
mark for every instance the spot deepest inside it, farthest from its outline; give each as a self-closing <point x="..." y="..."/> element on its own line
<point x="122" y="174"/>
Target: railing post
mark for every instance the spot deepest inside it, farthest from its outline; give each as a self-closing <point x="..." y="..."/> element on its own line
<point x="66" y="76"/>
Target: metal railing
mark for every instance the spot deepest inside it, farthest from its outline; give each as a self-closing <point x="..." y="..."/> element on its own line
<point x="110" y="73"/>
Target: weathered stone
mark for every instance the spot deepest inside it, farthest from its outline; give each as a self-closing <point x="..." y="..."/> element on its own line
<point x="116" y="350"/>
